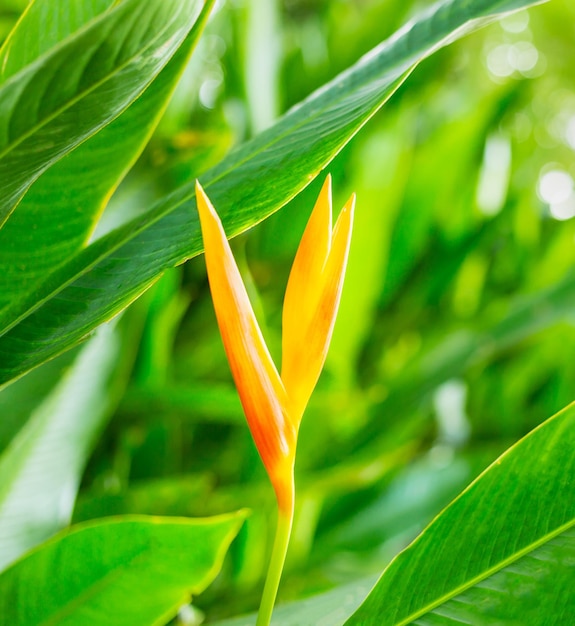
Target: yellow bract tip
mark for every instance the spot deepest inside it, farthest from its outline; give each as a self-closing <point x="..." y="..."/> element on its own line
<point x="273" y="405"/>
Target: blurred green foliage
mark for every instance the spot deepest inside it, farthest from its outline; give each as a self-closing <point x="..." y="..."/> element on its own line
<point x="455" y="335"/>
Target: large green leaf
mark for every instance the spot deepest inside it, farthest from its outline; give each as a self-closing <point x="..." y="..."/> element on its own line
<point x="57" y="214"/>
<point x="124" y="571"/>
<point x="73" y="89"/>
<point x="40" y="470"/>
<point x="501" y="553"/>
<point x="251" y="183"/>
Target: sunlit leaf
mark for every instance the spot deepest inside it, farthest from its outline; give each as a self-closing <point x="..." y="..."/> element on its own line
<point x="500" y="553"/>
<point x="123" y="571"/>
<point x="40" y="470"/>
<point x="254" y="181"/>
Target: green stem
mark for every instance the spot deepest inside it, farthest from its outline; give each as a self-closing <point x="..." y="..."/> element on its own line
<point x="275" y="568"/>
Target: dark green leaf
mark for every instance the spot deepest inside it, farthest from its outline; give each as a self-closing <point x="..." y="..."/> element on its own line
<point x="247" y="186"/>
<point x="53" y="99"/>
<point x="57" y="215"/>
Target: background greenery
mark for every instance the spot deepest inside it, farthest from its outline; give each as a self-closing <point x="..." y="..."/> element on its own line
<point x="455" y="335"/>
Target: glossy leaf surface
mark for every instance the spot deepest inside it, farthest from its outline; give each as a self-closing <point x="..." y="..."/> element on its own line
<point x="251" y="183"/>
<point x="71" y="90"/>
<point x="59" y="212"/>
<point x="502" y="552"/>
<point x="41" y="469"/>
<point x="123" y="571"/>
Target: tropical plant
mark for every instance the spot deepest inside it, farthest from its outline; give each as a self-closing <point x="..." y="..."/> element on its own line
<point x="128" y="479"/>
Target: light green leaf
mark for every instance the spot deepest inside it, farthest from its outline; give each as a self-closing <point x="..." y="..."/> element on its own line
<point x="18" y="401"/>
<point x="58" y="213"/>
<point x="525" y="316"/>
<point x="501" y="553"/>
<point x="76" y="87"/>
<point x="120" y="572"/>
<point x="247" y="186"/>
<point x="40" y="470"/>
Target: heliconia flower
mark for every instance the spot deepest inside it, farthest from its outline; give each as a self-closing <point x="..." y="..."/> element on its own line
<point x="312" y="298"/>
<point x="274" y="405"/>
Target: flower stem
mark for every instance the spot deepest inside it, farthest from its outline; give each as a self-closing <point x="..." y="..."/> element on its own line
<point x="281" y="541"/>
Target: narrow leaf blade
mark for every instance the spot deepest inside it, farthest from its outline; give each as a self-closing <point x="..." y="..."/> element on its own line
<point x="66" y="95"/>
<point x="61" y="209"/>
<point x="250" y="184"/>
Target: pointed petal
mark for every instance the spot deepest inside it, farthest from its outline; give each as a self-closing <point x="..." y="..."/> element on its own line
<point x="301" y="292"/>
<point x="306" y="350"/>
<point x="260" y="388"/>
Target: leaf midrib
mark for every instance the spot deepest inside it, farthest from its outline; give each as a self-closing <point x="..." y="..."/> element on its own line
<point x="36" y="65"/>
<point x="141" y="554"/>
<point x="487" y="573"/>
<point x="132" y="232"/>
<point x="394" y="85"/>
<point x="70" y="607"/>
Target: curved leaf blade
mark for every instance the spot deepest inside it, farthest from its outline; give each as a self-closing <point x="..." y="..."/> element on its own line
<point x="502" y="550"/>
<point x="247" y="186"/>
<point x="60" y="210"/>
<point x="18" y="401"/>
<point x="118" y="572"/>
<point x="69" y="93"/>
<point x="30" y="39"/>
<point x="41" y="469"/>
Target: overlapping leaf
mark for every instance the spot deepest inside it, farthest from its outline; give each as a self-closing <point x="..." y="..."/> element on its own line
<point x="250" y="184"/>
<point x="70" y="91"/>
<point x="40" y="470"/>
<point x="56" y="216"/>
<point x="30" y="39"/>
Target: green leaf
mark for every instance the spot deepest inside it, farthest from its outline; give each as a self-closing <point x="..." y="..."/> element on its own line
<point x="18" y="401"/>
<point x="30" y="39"/>
<point x="125" y="571"/>
<point x="524" y="316"/>
<point x="57" y="215"/>
<point x="73" y="89"/>
<point x="501" y="553"/>
<point x="40" y="470"/>
<point x="247" y="186"/>
<point x="40" y="234"/>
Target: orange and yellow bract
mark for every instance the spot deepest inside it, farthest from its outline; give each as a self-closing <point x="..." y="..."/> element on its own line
<point x="274" y="404"/>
